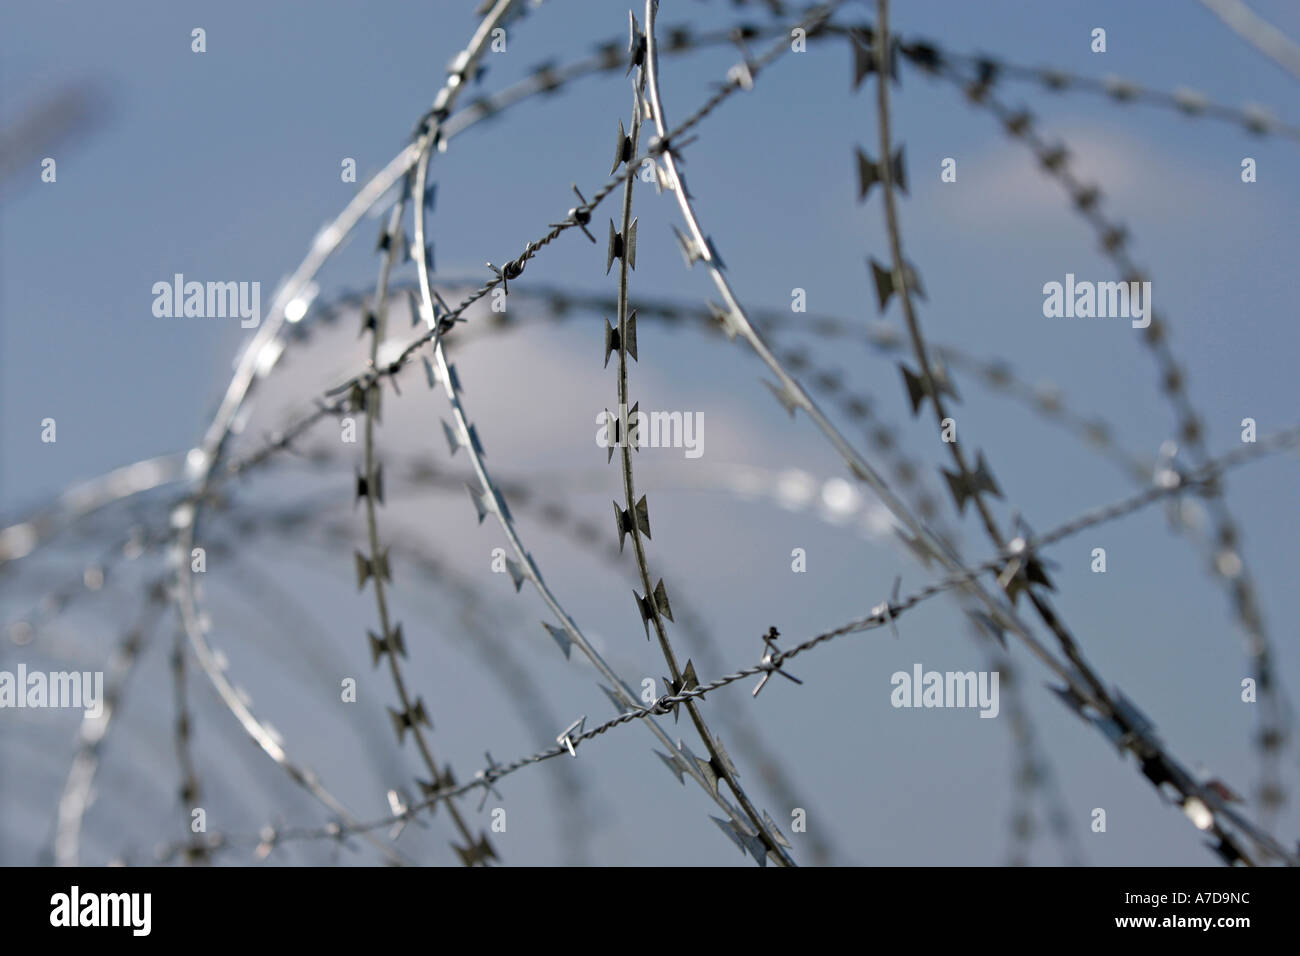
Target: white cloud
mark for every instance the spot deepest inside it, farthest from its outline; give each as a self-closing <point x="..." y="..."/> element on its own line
<point x="1004" y="187"/>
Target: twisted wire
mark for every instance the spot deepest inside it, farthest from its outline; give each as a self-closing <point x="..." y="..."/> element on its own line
<point x="883" y="615"/>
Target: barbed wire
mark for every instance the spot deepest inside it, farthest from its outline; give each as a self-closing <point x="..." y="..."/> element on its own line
<point x="499" y="658"/>
<point x="291" y="524"/>
<point x="203" y="459"/>
<point x="875" y="52"/>
<point x="215" y="442"/>
<point x="191" y="787"/>
<point x="1022" y="576"/>
<point x="1209" y="802"/>
<point x="701" y="251"/>
<point x="1256" y="120"/>
<point x="78" y="787"/>
<point x="1229" y="563"/>
<point x="920" y="53"/>
<point x="737" y="727"/>
<point x="490" y="500"/>
<point x="792" y="396"/>
<point x="634" y="518"/>
<point x="1169" y="487"/>
<point x="247" y="526"/>
<point x="697" y="246"/>
<point x="253" y="363"/>
<point x="932" y="382"/>
<point x="17" y="539"/>
<point x="373" y="567"/>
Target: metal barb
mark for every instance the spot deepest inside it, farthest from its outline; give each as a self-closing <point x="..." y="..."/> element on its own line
<point x="766" y="663"/>
<point x="566" y="735"/>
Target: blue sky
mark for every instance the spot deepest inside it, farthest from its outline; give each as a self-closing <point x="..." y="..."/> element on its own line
<point x="223" y="165"/>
